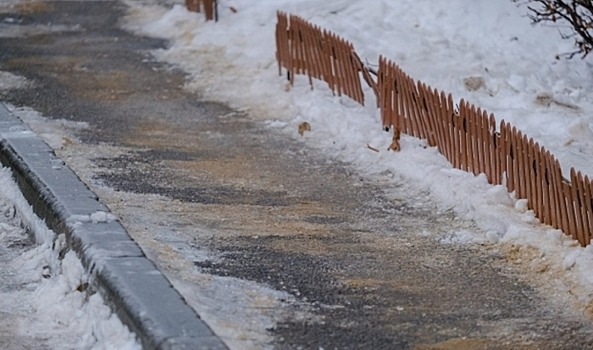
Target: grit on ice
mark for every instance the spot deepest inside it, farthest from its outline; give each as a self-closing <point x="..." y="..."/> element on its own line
<point x="486" y="52"/>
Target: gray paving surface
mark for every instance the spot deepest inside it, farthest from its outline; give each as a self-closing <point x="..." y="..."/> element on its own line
<point x="217" y="198"/>
<point x="138" y="292"/>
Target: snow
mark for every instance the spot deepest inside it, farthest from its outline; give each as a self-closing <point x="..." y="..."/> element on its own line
<point x="45" y="301"/>
<point x="484" y="51"/>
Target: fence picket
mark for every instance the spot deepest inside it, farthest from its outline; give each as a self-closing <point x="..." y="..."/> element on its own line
<point x="467" y="133"/>
<point x="343" y="60"/>
<point x="339" y="62"/>
<point x="450" y="115"/>
<point x="527" y="166"/>
<point x="575" y="192"/>
<point x="281" y="43"/>
<point x="532" y="177"/>
<point x="339" y="65"/>
<point x="428" y="113"/>
<point x="438" y="108"/>
<point x="416" y="110"/>
<point x="384" y="97"/>
<point x="504" y="156"/>
<point x="578" y="209"/>
<point x="393" y="98"/>
<point x="513" y="157"/>
<point x="520" y="166"/>
<point x="539" y="183"/>
<point x="397" y="99"/>
<point x="474" y="138"/>
<point x="462" y="132"/>
<point x="589" y="206"/>
<point x="544" y="189"/>
<point x="477" y="155"/>
<point x="405" y="103"/>
<point x="209" y="9"/>
<point x="483" y="139"/>
<point x="495" y="150"/>
<point x="570" y="220"/>
<point x="550" y="191"/>
<point x="346" y="82"/>
<point x="584" y="221"/>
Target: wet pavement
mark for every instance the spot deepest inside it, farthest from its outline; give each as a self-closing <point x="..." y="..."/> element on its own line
<point x="211" y="194"/>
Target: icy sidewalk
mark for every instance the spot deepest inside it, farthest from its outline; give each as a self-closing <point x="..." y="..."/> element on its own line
<point x="139" y="293"/>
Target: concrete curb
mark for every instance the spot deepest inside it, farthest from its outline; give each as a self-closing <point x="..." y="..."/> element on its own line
<point x="136" y="290"/>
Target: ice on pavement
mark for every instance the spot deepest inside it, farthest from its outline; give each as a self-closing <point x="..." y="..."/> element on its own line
<point x="440" y="43"/>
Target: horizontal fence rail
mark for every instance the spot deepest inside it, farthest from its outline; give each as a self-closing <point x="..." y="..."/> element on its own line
<point x="464" y="134"/>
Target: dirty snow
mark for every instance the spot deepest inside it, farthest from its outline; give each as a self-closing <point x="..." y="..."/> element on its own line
<point x="484" y="51"/>
<point x="46" y="302"/>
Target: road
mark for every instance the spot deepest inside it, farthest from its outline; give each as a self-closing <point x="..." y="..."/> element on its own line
<point x="274" y="243"/>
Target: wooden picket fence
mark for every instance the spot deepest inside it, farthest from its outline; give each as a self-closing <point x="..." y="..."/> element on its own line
<point x="466" y="135"/>
<point x="303" y="48"/>
<point x="209" y="7"/>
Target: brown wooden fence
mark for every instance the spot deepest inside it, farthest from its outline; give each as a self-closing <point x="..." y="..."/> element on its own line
<point x="465" y="134"/>
<point x="303" y="48"/>
<point x="468" y="137"/>
<point x="208" y="6"/>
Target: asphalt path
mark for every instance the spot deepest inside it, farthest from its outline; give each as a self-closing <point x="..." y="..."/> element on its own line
<point x="274" y="243"/>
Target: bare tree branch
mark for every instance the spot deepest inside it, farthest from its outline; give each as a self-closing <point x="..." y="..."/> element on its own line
<point x="577" y="13"/>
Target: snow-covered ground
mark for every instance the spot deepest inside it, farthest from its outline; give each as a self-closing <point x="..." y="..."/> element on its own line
<point x="439" y="43"/>
<point x="46" y="302"/>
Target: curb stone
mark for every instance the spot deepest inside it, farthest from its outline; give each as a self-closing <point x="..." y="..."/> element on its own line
<point x="135" y="289"/>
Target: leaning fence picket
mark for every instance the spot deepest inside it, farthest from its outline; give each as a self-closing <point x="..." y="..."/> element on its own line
<point x="475" y="139"/>
<point x="445" y="118"/>
<point x="578" y="206"/>
<point x="537" y="181"/>
<point x="584" y="209"/>
<point x="472" y="140"/>
<point x="519" y="165"/>
<point x="460" y="142"/>
<point x="552" y="192"/>
<point x="428" y="113"/>
<point x="411" y="117"/>
<point x="281" y="41"/>
<point x="484" y="151"/>
<point x="307" y="54"/>
<point x="545" y="189"/>
<point x="576" y="180"/>
<point x="506" y="166"/>
<point x="570" y="212"/>
<point x="544" y="203"/>
<point x="403" y="103"/>
<point x="547" y="204"/>
<point x="452" y="132"/>
<point x="494" y="143"/>
<point x="525" y="167"/>
<point x="387" y="99"/>
<point x="588" y="205"/>
<point x="531" y="179"/>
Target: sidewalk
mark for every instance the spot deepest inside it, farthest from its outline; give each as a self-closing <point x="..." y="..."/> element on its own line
<point x="272" y="243"/>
